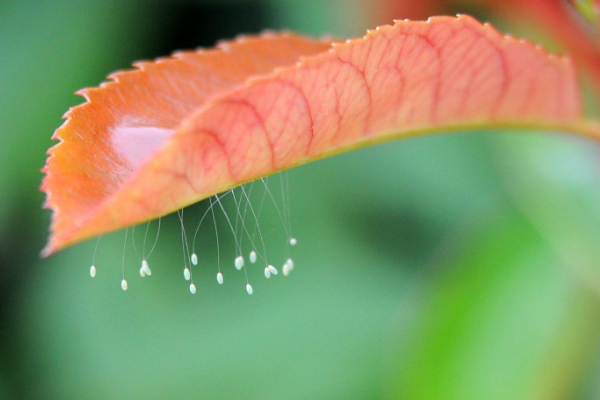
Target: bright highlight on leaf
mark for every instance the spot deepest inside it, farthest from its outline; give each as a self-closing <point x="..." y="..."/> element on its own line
<point x="184" y="128"/>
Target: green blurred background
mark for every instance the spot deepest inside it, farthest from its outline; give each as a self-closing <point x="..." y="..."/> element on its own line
<point x="460" y="266"/>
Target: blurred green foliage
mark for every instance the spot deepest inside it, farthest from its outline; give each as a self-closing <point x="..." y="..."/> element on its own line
<point x="452" y="267"/>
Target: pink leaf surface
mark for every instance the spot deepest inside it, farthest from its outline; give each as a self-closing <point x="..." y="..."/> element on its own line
<point x="182" y="129"/>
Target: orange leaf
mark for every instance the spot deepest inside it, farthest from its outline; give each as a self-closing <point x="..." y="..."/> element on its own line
<point x="182" y="129"/>
<point x="560" y="21"/>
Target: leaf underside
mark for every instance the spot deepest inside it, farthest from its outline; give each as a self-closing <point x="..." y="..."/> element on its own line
<point x="181" y="129"/>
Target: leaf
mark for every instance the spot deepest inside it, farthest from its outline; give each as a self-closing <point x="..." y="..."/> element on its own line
<point x="104" y="141"/>
<point x="559" y="20"/>
<point x="182" y="129"/>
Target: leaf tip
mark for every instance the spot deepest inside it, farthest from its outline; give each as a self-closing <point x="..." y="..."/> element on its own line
<point x="48" y="250"/>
